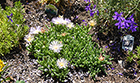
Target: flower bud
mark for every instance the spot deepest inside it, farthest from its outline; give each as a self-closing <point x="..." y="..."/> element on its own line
<point x="101" y="58"/>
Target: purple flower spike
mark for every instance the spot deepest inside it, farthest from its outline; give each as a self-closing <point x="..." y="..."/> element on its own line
<point x="88" y="7"/>
<point x="106" y="46"/>
<point x="134" y="72"/>
<point x="11" y="14"/>
<point x="125" y="23"/>
<point x="92" y="13"/>
<point x="76" y="17"/>
<point x="112" y="68"/>
<point x="9" y="17"/>
<point x="120" y="73"/>
<point x="98" y="12"/>
<point x="11" y="20"/>
<point x="87" y="1"/>
<point x="108" y="68"/>
<point x="117" y="15"/>
<point x="94" y="6"/>
<point x="83" y="20"/>
<point x="132" y="24"/>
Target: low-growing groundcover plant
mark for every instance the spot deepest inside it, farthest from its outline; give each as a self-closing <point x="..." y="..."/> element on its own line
<point x="103" y="11"/>
<point x="134" y="56"/>
<point x="12" y="28"/>
<point x="3" y="67"/>
<point x="61" y="47"/>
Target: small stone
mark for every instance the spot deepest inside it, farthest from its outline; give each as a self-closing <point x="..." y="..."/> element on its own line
<point x="81" y="77"/>
<point x="86" y="74"/>
<point x="111" y="41"/>
<point x="120" y="63"/>
<point x="82" y="81"/>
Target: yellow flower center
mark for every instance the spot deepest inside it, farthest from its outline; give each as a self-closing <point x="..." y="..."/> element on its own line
<point x="92" y="23"/>
<point x="61" y="64"/>
<point x="36" y="31"/>
<point x="29" y="39"/>
<point x="57" y="22"/>
<point x="55" y="47"/>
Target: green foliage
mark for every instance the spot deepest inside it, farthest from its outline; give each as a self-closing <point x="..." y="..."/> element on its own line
<point x="12" y="28"/>
<point x="132" y="56"/>
<point x="3" y="79"/>
<point x="108" y="7"/>
<point x="78" y="49"/>
<point x="21" y="81"/>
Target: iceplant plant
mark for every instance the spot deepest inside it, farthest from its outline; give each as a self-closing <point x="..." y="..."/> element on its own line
<point x="61" y="20"/>
<point x="55" y="46"/>
<point x="35" y="30"/>
<point x="28" y="38"/>
<point x="62" y="63"/>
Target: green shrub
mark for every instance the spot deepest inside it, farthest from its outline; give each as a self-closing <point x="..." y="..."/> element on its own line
<point x="74" y="47"/>
<point x="12" y="28"/>
<point x="134" y="56"/>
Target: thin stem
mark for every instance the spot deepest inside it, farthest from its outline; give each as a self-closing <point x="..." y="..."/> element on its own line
<point x="133" y="9"/>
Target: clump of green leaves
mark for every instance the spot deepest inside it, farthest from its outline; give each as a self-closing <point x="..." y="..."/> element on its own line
<point x="3" y="67"/>
<point x="78" y="49"/>
<point x="134" y="56"/>
<point x="12" y="27"/>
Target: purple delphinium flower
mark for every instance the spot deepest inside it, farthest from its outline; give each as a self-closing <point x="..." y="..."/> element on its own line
<point x="87" y="1"/>
<point x="83" y="20"/>
<point x="98" y="12"/>
<point x="120" y="73"/>
<point x="125" y="23"/>
<point x="121" y="23"/>
<point x="9" y="17"/>
<point x="94" y="6"/>
<point x="132" y="23"/>
<point x="135" y="73"/>
<point x="77" y="17"/>
<point x="93" y="10"/>
<point x="106" y="46"/>
<point x="88" y="7"/>
<point x="117" y="15"/>
<point x="92" y="13"/>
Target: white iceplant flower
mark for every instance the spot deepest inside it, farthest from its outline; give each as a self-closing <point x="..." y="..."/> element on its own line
<point x="29" y="38"/>
<point x="65" y="21"/>
<point x="92" y="23"/>
<point x="60" y="20"/>
<point x="62" y="63"/>
<point x="57" y="20"/>
<point x="55" y="46"/>
<point x="35" y="30"/>
<point x="70" y="25"/>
